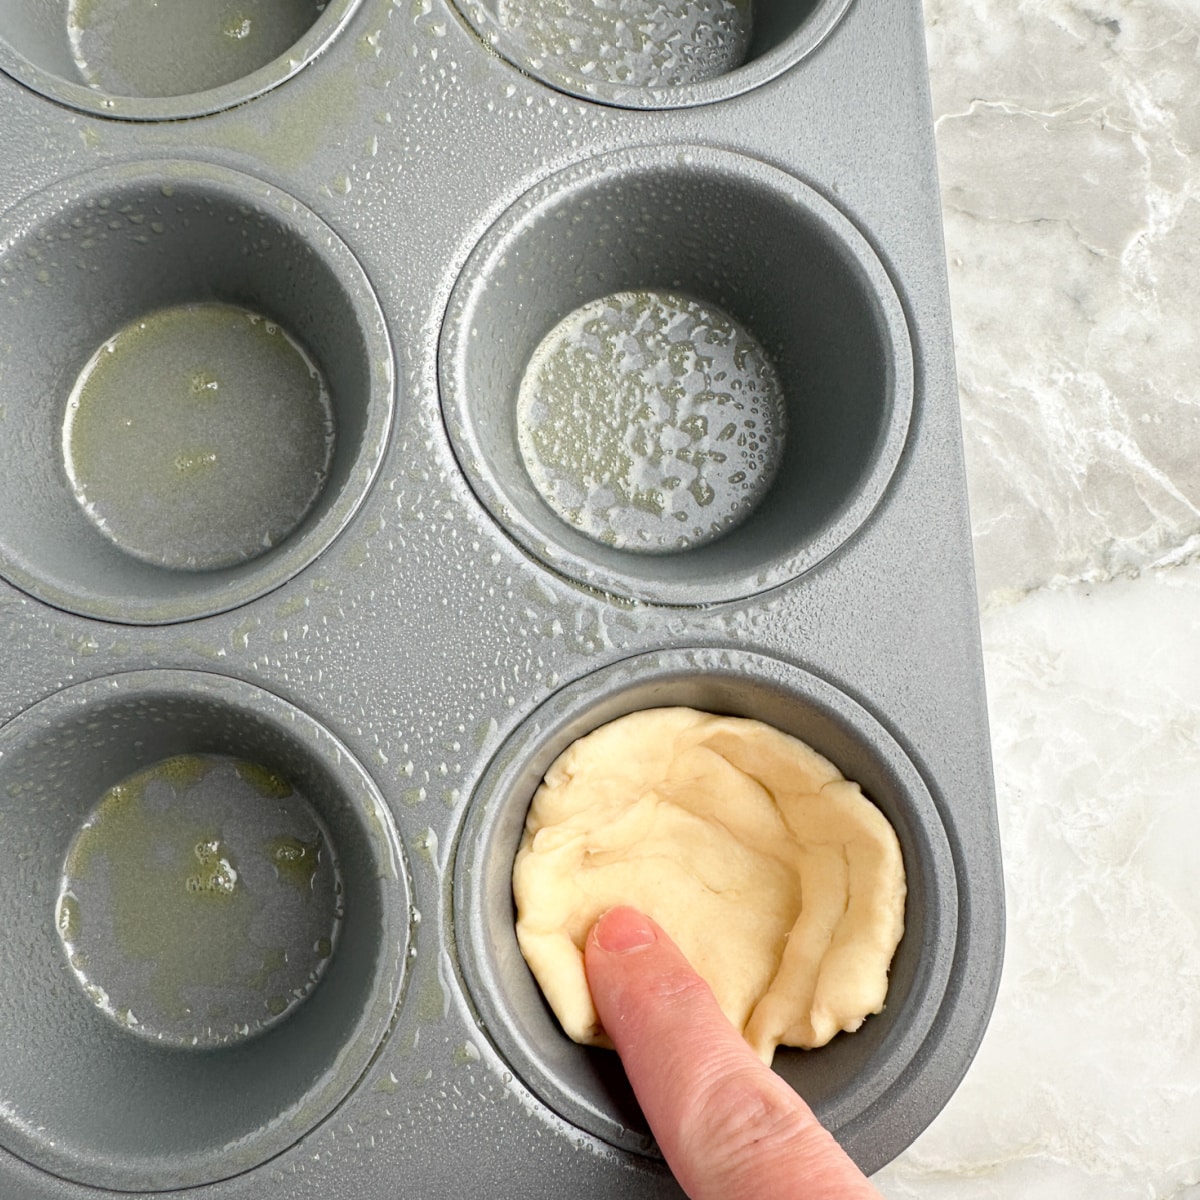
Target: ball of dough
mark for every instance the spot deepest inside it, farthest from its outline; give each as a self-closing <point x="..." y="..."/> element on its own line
<point x="781" y="883"/>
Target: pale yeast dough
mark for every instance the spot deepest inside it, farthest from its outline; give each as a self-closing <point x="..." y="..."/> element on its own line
<point x="781" y="883"/>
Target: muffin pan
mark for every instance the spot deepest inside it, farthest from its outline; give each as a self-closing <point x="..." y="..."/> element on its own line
<point x="392" y="391"/>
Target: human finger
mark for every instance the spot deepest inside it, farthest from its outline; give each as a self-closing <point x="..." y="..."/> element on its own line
<point x="728" y="1127"/>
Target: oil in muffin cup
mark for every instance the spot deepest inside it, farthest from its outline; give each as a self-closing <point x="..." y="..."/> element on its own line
<point x="676" y="375"/>
<point x="207" y="389"/>
<point x="139" y="60"/>
<point x="208" y="911"/>
<point x="644" y="54"/>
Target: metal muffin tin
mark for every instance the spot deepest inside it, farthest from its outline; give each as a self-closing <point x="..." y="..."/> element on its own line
<point x="417" y="191"/>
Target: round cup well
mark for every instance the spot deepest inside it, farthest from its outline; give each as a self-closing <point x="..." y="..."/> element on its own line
<point x="757" y="245"/>
<point x="586" y="1086"/>
<point x="147" y="61"/>
<point x="660" y="55"/>
<point x="93" y="1101"/>
<point x="87" y="261"/>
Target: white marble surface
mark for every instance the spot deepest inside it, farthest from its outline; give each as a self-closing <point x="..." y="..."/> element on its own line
<point x="1069" y="145"/>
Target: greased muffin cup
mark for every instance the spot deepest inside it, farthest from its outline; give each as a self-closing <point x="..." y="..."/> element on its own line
<point x="217" y="296"/>
<point x="390" y="393"/>
<point x="161" y="62"/>
<point x="102" y="1086"/>
<point x="670" y="56"/>
<point x="841" y="1081"/>
<point x="813" y="295"/>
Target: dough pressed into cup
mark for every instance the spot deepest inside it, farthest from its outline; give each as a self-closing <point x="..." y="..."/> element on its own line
<point x="781" y="883"/>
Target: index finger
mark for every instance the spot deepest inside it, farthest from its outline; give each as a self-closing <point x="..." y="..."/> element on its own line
<point x="728" y="1126"/>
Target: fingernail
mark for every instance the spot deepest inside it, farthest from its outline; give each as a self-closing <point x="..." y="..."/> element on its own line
<point x="621" y="930"/>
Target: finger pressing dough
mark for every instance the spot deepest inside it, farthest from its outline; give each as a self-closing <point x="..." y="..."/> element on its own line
<point x="780" y="882"/>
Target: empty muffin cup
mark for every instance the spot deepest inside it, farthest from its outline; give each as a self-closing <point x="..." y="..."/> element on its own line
<point x="676" y="375"/>
<point x="196" y="389"/>
<point x="207" y="917"/>
<point x="843" y="1080"/>
<point x="142" y="60"/>
<point x="651" y="53"/>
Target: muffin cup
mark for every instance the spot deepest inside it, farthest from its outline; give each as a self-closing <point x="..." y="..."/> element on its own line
<point x="730" y="232"/>
<point x="586" y="1086"/>
<point x="93" y="1102"/>
<point x="697" y="51"/>
<point x="134" y="244"/>
<point x="183" y="60"/>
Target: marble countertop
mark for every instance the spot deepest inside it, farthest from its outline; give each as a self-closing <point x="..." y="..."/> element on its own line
<point x="1069" y="148"/>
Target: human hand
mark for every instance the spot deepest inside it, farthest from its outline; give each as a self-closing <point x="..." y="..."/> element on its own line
<point x="728" y="1126"/>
